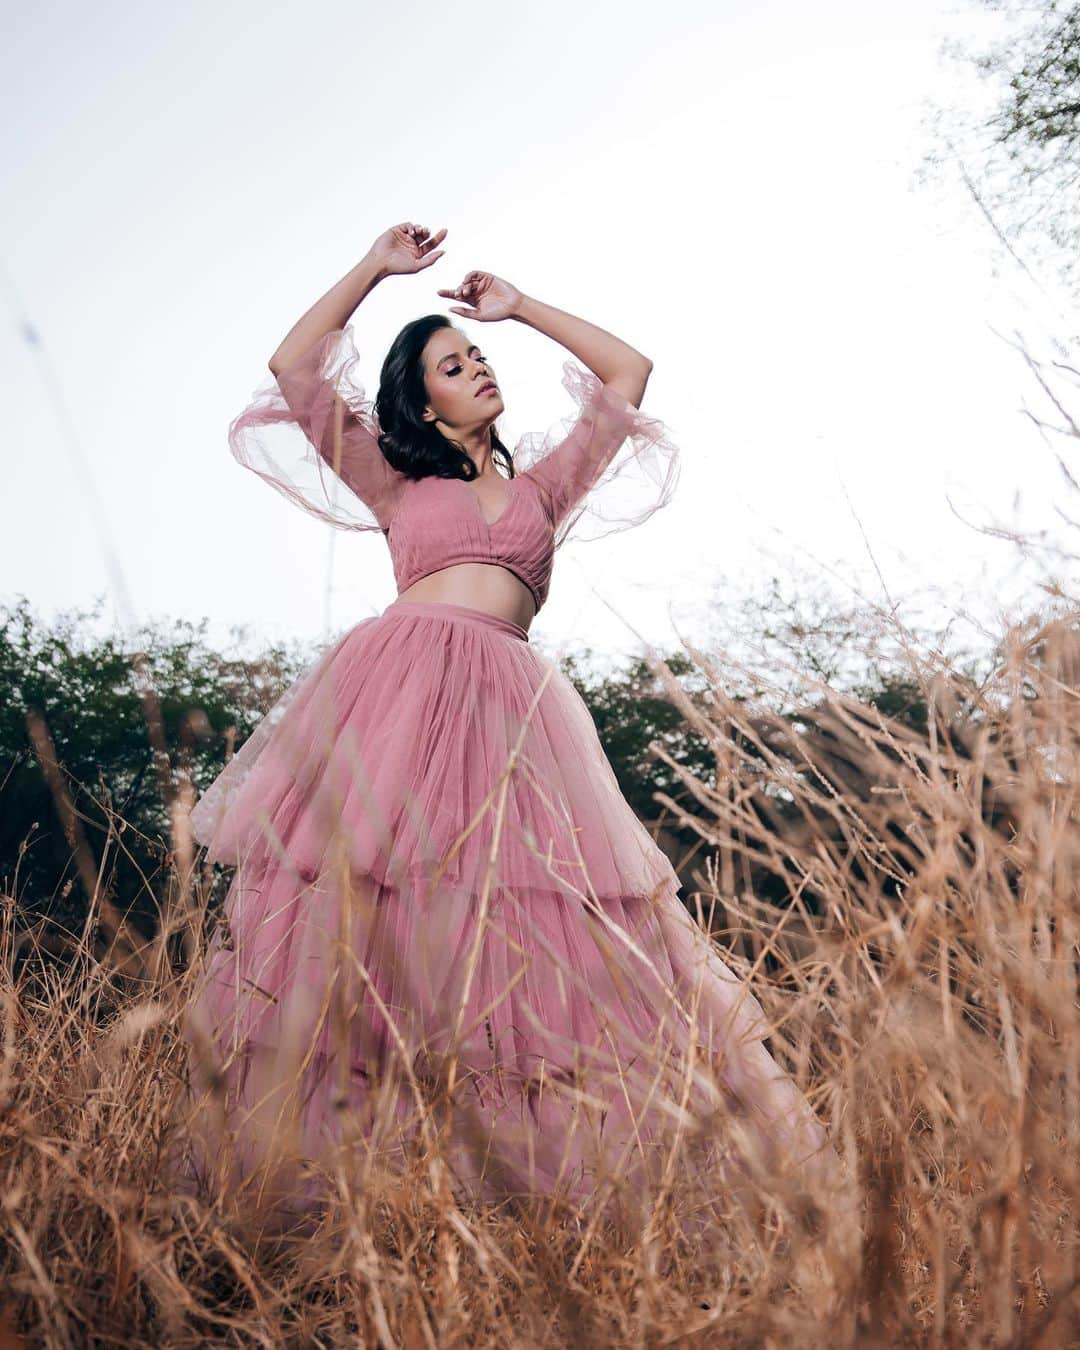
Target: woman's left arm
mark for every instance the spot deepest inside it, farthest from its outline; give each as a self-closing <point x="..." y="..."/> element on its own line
<point x="609" y="394"/>
<point x="614" y="362"/>
<point x="617" y="364"/>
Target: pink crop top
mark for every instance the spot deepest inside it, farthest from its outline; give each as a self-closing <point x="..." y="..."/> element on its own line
<point x="314" y="437"/>
<point x="440" y="521"/>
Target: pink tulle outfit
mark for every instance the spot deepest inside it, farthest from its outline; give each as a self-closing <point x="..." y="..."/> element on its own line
<point x="434" y="863"/>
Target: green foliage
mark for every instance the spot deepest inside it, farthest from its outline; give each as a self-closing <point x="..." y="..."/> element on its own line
<point x="631" y="711"/>
<point x="84" y="687"/>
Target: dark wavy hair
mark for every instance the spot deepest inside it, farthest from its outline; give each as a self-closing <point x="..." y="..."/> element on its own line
<point x="412" y="446"/>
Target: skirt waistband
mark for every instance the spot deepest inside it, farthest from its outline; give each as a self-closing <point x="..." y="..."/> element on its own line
<point x="445" y="609"/>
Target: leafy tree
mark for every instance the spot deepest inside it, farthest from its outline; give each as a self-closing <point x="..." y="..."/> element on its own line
<point x="631" y="711"/>
<point x="774" y="649"/>
<point x="87" y="693"/>
<point x="1020" y="157"/>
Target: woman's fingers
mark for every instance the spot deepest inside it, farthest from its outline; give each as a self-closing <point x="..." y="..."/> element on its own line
<point x="425" y="250"/>
<point x="421" y="233"/>
<point x="432" y="243"/>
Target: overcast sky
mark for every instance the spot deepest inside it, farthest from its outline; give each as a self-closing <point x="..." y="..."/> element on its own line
<point x="729" y="187"/>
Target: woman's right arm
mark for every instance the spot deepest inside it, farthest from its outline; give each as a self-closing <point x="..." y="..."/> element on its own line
<point x="313" y="366"/>
<point x="331" y="312"/>
<point x="401" y="249"/>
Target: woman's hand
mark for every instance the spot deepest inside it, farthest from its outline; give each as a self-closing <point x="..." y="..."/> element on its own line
<point x="406" y="248"/>
<point x="490" y="296"/>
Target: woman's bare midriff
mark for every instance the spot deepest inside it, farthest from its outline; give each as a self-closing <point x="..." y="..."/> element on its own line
<point x="484" y="586"/>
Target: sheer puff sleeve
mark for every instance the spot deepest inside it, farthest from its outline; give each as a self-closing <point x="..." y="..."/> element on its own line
<point x="311" y="434"/>
<point x="607" y="468"/>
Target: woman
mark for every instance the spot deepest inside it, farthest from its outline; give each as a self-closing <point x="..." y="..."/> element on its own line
<point x="445" y="917"/>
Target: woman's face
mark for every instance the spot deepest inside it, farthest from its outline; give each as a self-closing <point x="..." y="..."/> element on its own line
<point x="458" y="380"/>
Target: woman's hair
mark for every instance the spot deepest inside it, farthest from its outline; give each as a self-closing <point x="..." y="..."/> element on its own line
<point x="412" y="446"/>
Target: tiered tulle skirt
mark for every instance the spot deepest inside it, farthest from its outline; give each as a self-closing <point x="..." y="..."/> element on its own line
<point x="446" y="918"/>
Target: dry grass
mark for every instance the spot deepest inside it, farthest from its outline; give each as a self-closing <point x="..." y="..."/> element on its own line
<point x="923" y="989"/>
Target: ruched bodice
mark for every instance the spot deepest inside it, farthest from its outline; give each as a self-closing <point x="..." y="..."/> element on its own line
<point x="439" y="522"/>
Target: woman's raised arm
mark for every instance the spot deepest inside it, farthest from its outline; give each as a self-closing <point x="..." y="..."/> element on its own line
<point x="614" y="362"/>
<point x="329" y="313"/>
<point x="568" y="466"/>
<point x="314" y="391"/>
<point x="399" y="250"/>
<point x="571" y="471"/>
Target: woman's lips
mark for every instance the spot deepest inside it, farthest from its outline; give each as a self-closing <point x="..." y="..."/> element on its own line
<point x="488" y="388"/>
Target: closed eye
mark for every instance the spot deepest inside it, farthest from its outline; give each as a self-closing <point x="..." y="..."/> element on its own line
<point x="456" y="370"/>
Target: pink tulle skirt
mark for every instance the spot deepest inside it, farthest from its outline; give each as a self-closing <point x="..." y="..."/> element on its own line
<point x="446" y="920"/>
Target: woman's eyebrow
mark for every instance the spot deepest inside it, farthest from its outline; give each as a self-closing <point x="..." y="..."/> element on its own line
<point x="473" y="348"/>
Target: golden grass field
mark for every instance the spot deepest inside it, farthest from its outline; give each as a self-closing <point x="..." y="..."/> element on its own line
<point x="927" y="1004"/>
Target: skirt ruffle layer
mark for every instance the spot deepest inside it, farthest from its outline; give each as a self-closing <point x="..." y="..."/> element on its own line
<point x="419" y="736"/>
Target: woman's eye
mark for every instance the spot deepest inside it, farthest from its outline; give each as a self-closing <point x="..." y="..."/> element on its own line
<point x="456" y="370"/>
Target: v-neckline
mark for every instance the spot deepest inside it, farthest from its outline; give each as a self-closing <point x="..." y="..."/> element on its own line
<point x="480" y="506"/>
